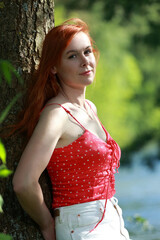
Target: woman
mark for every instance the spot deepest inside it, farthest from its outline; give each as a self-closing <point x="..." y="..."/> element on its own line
<point x="68" y="139"/>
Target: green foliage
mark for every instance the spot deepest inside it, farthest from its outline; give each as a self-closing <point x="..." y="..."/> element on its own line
<point x="10" y="105"/>
<point x="2" y="153"/>
<point x="6" y="71"/>
<point x="59" y="15"/>
<point x="141" y="222"/>
<point x="2" y="5"/>
<point x="4" y="171"/>
<point x="5" y="237"/>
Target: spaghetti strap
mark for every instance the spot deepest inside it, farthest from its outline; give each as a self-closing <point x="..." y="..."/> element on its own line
<point x="97" y="118"/>
<point x="67" y="111"/>
<point x="93" y="112"/>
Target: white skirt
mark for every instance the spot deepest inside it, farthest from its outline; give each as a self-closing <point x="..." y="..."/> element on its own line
<point x="75" y="222"/>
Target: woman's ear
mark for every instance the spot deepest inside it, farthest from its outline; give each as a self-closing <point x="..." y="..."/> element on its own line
<point x="54" y="70"/>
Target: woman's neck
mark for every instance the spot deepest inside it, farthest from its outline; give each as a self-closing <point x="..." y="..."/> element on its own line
<point x="74" y="95"/>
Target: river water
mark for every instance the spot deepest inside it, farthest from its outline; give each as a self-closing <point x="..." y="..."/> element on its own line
<point x="138" y="192"/>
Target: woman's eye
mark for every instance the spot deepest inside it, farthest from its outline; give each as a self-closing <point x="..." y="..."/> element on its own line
<point x="72" y="56"/>
<point x="88" y="51"/>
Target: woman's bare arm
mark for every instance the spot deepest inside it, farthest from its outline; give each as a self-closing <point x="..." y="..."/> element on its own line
<point x="34" y="160"/>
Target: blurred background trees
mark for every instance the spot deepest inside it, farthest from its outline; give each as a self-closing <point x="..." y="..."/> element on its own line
<point x="127" y="85"/>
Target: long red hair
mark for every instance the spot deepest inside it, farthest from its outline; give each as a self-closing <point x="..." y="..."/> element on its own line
<point x="44" y="84"/>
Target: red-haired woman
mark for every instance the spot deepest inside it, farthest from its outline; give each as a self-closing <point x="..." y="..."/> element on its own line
<point x="67" y="138"/>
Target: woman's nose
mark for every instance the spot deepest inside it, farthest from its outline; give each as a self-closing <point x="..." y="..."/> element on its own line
<point x="84" y="61"/>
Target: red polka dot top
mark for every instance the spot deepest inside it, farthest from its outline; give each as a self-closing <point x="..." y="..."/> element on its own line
<point x="83" y="171"/>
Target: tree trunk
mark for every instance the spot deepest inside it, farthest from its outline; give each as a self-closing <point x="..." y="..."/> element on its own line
<point x="23" y="27"/>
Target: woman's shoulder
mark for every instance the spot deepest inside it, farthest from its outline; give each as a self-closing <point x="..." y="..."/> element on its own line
<point x="52" y="112"/>
<point x="53" y="105"/>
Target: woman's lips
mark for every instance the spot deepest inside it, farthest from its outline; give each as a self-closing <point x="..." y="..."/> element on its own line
<point x="86" y="73"/>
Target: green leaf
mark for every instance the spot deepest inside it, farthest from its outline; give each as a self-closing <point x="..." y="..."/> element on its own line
<point x="1" y="203"/>
<point x="5" y="237"/>
<point x="2" y="153"/>
<point x="4" y="171"/>
<point x="7" y="109"/>
<point x="6" y="70"/>
<point x="2" y="5"/>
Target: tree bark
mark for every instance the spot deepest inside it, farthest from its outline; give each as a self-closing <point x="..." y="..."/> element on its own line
<point x="23" y="27"/>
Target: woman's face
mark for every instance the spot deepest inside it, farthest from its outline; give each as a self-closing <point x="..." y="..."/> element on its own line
<point x="78" y="65"/>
